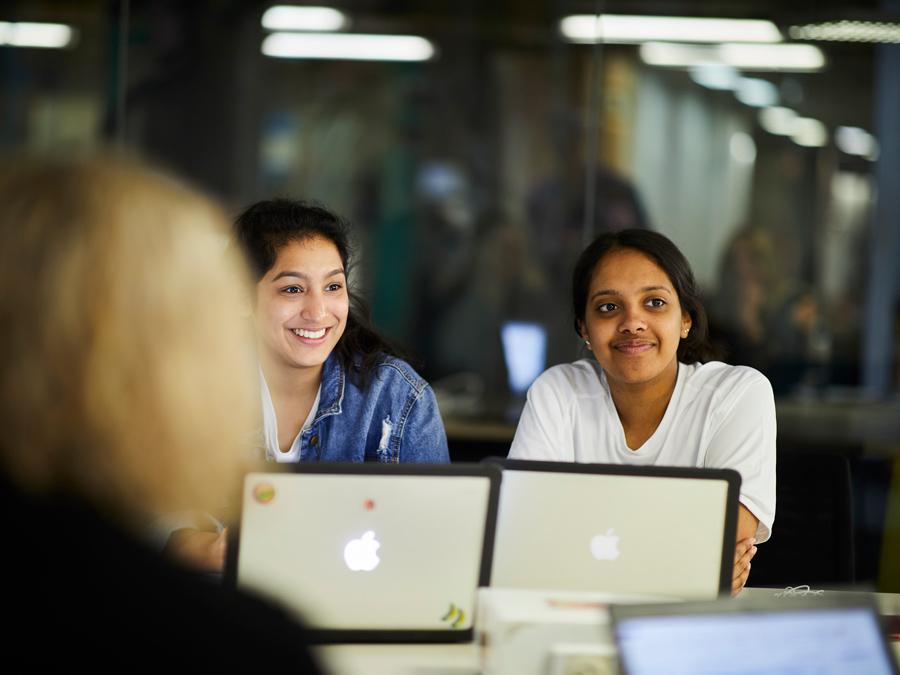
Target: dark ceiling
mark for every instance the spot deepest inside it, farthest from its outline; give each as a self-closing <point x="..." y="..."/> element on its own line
<point x="841" y="94"/>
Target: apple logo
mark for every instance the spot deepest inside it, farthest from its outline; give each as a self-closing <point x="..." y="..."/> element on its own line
<point x="605" y="546"/>
<point x="361" y="554"/>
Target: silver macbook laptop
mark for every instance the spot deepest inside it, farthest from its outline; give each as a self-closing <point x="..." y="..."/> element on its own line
<point x="658" y="531"/>
<point x="369" y="552"/>
<point x="830" y="634"/>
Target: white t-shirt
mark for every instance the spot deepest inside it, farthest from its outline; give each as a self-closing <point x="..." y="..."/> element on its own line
<point x="270" y="425"/>
<point x="719" y="416"/>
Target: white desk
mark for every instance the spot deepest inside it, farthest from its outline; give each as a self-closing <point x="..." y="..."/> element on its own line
<point x="888" y="603"/>
<point x="461" y="659"/>
<point x="587" y="628"/>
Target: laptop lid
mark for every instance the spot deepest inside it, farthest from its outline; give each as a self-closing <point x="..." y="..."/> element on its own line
<point x="833" y="633"/>
<point x="369" y="552"/>
<point x="658" y="531"/>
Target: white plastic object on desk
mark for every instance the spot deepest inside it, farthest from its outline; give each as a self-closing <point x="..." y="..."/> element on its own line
<point x="534" y="632"/>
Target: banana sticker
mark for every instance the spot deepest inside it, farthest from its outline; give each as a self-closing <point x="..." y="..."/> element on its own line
<point x="455" y="616"/>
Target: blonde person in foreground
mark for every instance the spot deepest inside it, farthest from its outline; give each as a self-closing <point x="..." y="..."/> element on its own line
<point x="125" y="392"/>
<point x="649" y="396"/>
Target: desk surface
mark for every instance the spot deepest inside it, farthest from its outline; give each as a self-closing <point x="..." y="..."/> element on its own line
<point x="468" y="659"/>
<point x="462" y="659"/>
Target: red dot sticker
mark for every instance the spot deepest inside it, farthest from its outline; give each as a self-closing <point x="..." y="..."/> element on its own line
<point x="369" y="504"/>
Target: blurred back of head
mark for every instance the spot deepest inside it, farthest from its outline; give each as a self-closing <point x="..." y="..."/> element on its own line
<point x="127" y="375"/>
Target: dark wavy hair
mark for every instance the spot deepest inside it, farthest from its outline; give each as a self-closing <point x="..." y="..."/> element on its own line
<point x="696" y="346"/>
<point x="267" y="226"/>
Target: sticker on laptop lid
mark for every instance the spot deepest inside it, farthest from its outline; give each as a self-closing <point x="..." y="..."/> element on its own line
<point x="264" y="492"/>
<point x="455" y="616"/>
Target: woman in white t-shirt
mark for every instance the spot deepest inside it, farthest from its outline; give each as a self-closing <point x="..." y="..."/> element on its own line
<point x="651" y="397"/>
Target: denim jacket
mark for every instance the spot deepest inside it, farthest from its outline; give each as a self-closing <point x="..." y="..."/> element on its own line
<point x="394" y="419"/>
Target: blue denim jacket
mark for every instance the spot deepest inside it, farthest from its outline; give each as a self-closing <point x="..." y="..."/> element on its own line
<point x="395" y="419"/>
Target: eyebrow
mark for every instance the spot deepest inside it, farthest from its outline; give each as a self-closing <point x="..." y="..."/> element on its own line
<point x="305" y="277"/>
<point x="645" y="289"/>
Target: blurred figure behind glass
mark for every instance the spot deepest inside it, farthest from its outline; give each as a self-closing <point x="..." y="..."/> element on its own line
<point x="767" y="318"/>
<point x="127" y="391"/>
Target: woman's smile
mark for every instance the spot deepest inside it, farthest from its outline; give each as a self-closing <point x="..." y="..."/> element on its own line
<point x="302" y="305"/>
<point x="633" y="347"/>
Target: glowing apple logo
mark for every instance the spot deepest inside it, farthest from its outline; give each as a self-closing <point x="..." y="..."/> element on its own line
<point x="605" y="546"/>
<point x="361" y="555"/>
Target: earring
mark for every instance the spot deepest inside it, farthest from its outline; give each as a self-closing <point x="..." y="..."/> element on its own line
<point x="588" y="343"/>
<point x="685" y="332"/>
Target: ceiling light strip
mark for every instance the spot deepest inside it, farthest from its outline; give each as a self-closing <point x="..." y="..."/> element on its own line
<point x="40" y="35"/>
<point x="629" y="29"/>
<point x="848" y="31"/>
<point x="289" y="17"/>
<point x="347" y="47"/>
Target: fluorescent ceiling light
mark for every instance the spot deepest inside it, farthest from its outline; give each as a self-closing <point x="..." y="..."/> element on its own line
<point x="45" y="35"/>
<point x="622" y="28"/>
<point x="777" y="120"/>
<point x="742" y="148"/>
<point x="856" y="141"/>
<point x="848" y="31"/>
<point x="786" y="58"/>
<point x="804" y="131"/>
<point x="809" y="133"/>
<point x="715" y="76"/>
<point x="288" y="17"/>
<point x="347" y="46"/>
<point x="756" y="92"/>
<point x="773" y="57"/>
<point x="679" y="56"/>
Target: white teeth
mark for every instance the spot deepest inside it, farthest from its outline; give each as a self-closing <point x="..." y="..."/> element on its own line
<point x="312" y="334"/>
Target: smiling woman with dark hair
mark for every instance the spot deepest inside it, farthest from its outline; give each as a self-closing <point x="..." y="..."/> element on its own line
<point x="651" y="395"/>
<point x="332" y="388"/>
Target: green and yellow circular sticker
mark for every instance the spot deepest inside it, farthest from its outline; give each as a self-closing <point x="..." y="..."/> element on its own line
<point x="264" y="492"/>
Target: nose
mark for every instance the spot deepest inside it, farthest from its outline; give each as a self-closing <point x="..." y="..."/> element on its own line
<point x="314" y="307"/>
<point x="633" y="320"/>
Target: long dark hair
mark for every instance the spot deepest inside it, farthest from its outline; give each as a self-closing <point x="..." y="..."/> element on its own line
<point x="267" y="226"/>
<point x="695" y="347"/>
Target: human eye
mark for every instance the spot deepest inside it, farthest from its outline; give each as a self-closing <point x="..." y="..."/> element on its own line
<point x="334" y="286"/>
<point x="656" y="303"/>
<point x="292" y="290"/>
<point x="606" y="307"/>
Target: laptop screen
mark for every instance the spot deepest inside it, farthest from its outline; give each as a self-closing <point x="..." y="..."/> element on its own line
<point x="525" y="353"/>
<point x="814" y="641"/>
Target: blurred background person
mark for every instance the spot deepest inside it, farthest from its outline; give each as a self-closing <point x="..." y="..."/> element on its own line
<point x="127" y="392"/>
<point x="559" y="215"/>
<point x="763" y="316"/>
<point x="738" y="312"/>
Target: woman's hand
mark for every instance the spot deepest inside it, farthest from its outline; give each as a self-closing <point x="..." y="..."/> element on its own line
<point x="744" y="551"/>
<point x="203" y="551"/>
